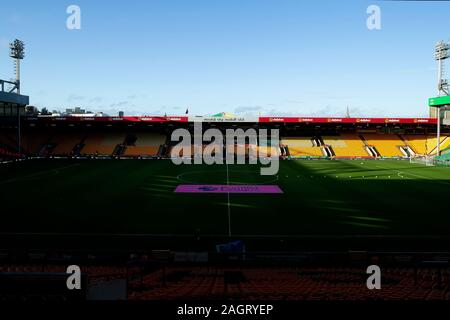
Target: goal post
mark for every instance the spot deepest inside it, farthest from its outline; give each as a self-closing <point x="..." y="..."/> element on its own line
<point x="424" y="160"/>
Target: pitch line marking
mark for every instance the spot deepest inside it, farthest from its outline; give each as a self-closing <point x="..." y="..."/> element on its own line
<point x="399" y="173"/>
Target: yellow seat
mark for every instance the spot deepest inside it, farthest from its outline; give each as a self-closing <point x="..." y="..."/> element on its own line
<point x="302" y="147"/>
<point x="388" y="145"/>
<point x="146" y="144"/>
<point x="306" y="152"/>
<point x="102" y="144"/>
<point x="346" y="145"/>
<point x="32" y="142"/>
<point x="426" y="144"/>
<point x="141" y="151"/>
<point x="65" y="142"/>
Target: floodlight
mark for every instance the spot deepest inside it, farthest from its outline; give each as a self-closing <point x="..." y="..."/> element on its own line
<point x="17" y="48"/>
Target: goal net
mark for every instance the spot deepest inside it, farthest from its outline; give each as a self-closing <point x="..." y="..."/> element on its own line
<point x="424" y="160"/>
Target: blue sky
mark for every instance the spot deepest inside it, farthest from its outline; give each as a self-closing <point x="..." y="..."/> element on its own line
<point x="268" y="57"/>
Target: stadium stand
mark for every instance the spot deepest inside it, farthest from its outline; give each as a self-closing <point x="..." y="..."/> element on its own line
<point x="387" y="145"/>
<point x="445" y="151"/>
<point x="5" y="140"/>
<point x="243" y="150"/>
<point x="135" y="151"/>
<point x="7" y="151"/>
<point x="268" y="151"/>
<point x="47" y="282"/>
<point x="351" y="144"/>
<point x="425" y="144"/>
<point x="32" y="142"/>
<point x="346" y="145"/>
<point x="144" y="144"/>
<point x="445" y="143"/>
<point x="6" y="154"/>
<point x="102" y="143"/>
<point x="64" y="143"/>
<point x="248" y="283"/>
<point x="302" y="147"/>
<point x="289" y="284"/>
<point x="248" y="149"/>
<point x="444" y="158"/>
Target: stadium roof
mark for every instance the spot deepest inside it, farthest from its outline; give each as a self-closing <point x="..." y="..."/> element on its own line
<point x="291" y="120"/>
<point x="11" y="97"/>
<point x="224" y="115"/>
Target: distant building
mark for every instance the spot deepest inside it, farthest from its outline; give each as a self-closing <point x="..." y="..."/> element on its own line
<point x="445" y="114"/>
<point x="31" y="111"/>
<point x="75" y="111"/>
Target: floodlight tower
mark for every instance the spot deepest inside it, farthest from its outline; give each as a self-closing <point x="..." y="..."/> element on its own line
<point x="17" y="52"/>
<point x="441" y="53"/>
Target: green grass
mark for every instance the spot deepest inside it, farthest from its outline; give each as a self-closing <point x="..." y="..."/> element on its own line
<point x="136" y="197"/>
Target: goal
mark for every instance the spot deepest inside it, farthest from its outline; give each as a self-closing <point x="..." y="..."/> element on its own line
<point x="425" y="160"/>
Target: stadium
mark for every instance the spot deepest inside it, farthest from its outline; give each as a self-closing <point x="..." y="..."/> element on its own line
<point x="105" y="193"/>
<point x="337" y="178"/>
<point x="325" y="162"/>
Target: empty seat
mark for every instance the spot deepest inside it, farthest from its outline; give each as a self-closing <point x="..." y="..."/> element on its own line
<point x="302" y="147"/>
<point x="346" y="145"/>
<point x="388" y="145"/>
<point x="102" y="144"/>
<point x="146" y="144"/>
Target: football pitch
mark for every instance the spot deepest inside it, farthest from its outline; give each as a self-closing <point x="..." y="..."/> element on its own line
<point x="136" y="197"/>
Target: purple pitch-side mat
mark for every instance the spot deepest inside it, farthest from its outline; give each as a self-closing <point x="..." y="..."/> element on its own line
<point x="223" y="188"/>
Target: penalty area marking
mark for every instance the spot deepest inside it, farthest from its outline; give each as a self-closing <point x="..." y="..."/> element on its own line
<point x="402" y="173"/>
